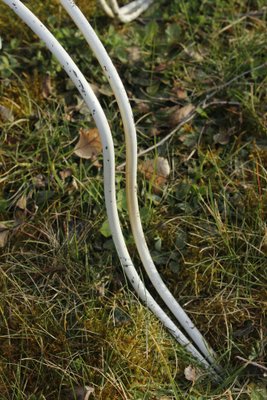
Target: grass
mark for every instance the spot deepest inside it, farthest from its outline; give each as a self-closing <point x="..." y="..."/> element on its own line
<point x="68" y="317"/>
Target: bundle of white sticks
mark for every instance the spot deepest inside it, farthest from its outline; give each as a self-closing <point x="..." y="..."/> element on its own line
<point x="196" y="345"/>
<point x="126" y="13"/>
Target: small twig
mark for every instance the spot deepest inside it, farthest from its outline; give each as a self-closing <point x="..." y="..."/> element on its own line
<point x="229" y="26"/>
<point x="249" y="362"/>
<point x="257" y="13"/>
<point x="236" y="78"/>
<point x="221" y="103"/>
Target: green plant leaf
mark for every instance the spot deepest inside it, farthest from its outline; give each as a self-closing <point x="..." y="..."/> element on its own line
<point x="105" y="229"/>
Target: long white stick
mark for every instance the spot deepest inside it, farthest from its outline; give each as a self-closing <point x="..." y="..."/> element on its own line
<point x="106" y="8"/>
<point x="131" y="171"/>
<point x="137" y="5"/>
<point x="109" y="169"/>
<point x="128" y="12"/>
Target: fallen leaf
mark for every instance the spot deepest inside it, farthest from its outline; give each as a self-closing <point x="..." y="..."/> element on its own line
<point x="95" y="89"/>
<point x="69" y="180"/>
<point x="20" y="211"/>
<point x="20" y="216"/>
<point x="134" y="54"/>
<point x="6" y="114"/>
<point x="66" y="173"/>
<point x="89" y="144"/>
<point x="179" y="92"/>
<point x="195" y="55"/>
<point x="22" y="202"/>
<point x="156" y="171"/>
<point x="189" y="140"/>
<point x="163" y="167"/>
<point x="101" y="289"/>
<point x="160" y="167"/>
<point x="105" y="229"/>
<point x="89" y="390"/>
<point x="143" y="107"/>
<point x="4" y="233"/>
<point x="190" y="373"/>
<point x="179" y="113"/>
<point x="223" y="137"/>
<point x="120" y="317"/>
<point x="80" y="106"/>
<point x="25" y="208"/>
<point x="163" y="66"/>
<point x="80" y="393"/>
<point x="105" y="90"/>
<point x="39" y="181"/>
<point x="74" y="184"/>
<point x="155" y="132"/>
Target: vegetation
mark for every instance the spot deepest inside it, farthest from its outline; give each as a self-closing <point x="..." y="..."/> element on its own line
<point x="67" y="316"/>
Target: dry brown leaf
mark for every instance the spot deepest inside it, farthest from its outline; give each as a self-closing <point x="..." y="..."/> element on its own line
<point x="223" y="137"/>
<point x="155" y="132"/>
<point x="68" y="178"/>
<point x="134" y="54"/>
<point x="4" y="233"/>
<point x="39" y="181"/>
<point x="22" y="202"/>
<point x="89" y="144"/>
<point x="25" y="208"/>
<point x="65" y="173"/>
<point x="105" y="90"/>
<point x="74" y="185"/>
<point x="158" y="171"/>
<point x="143" y="107"/>
<point x="179" y="113"/>
<point x="179" y="92"/>
<point x="190" y="373"/>
<point x="163" y="167"/>
<point x="194" y="54"/>
<point x="6" y="114"/>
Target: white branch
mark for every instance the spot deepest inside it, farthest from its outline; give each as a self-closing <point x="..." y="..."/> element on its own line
<point x="106" y="8"/>
<point x="128" y="12"/>
<point x="142" y="5"/>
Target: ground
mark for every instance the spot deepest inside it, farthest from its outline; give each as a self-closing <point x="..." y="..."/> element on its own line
<point x="195" y="73"/>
